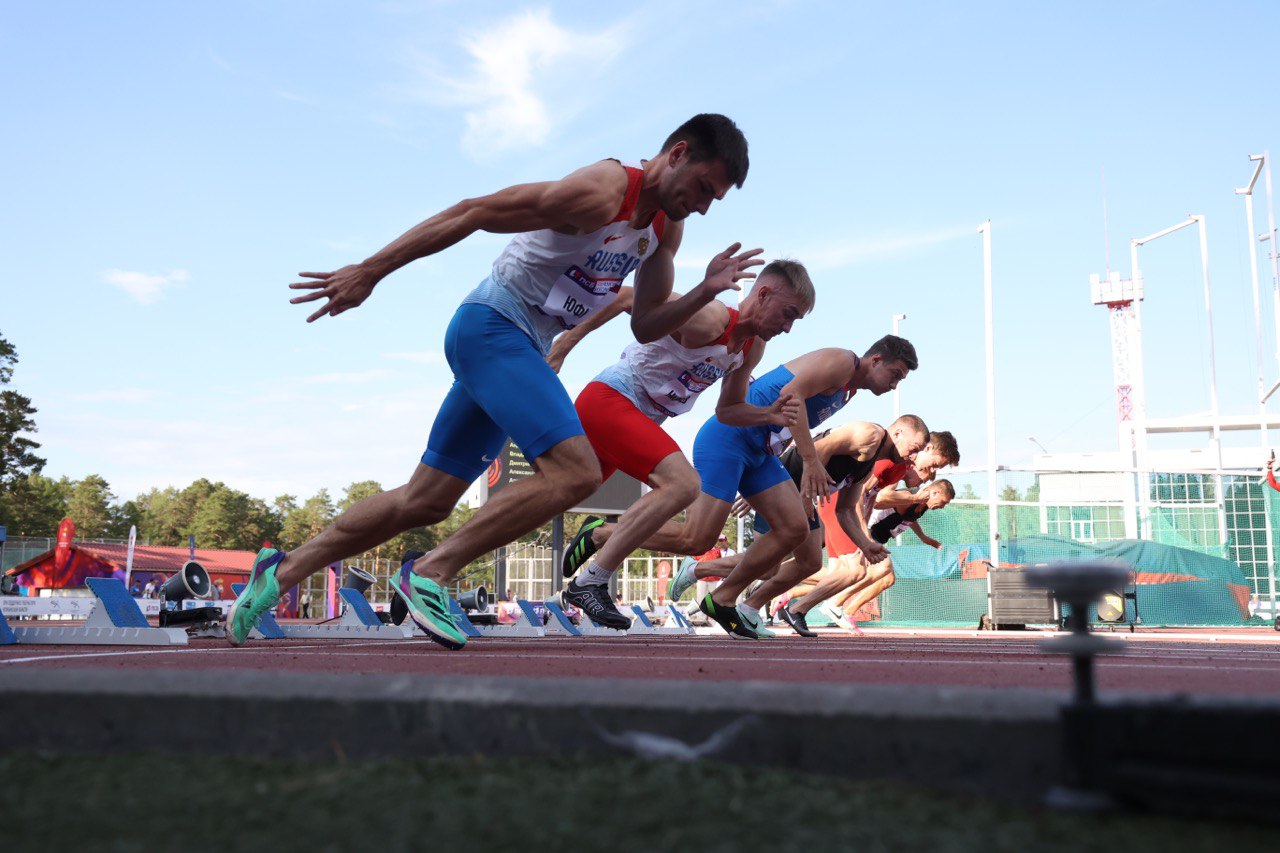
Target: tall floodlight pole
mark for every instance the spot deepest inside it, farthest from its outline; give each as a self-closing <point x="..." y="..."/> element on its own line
<point x="897" y="410"/>
<point x="1273" y="245"/>
<point x="993" y="516"/>
<point x="1247" y="192"/>
<point x="1199" y="220"/>
<point x="1123" y="299"/>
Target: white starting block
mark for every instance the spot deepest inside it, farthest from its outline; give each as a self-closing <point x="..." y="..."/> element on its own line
<point x="115" y="620"/>
<point x="358" y="622"/>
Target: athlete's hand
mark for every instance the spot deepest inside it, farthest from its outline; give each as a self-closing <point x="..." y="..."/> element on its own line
<point x="556" y="356"/>
<point x="814" y="484"/>
<point x="740" y="508"/>
<point x="784" y="411"/>
<point x="345" y="288"/>
<point x="874" y="552"/>
<point x="729" y="267"/>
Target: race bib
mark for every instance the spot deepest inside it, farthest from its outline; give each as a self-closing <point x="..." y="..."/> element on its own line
<point x="679" y="395"/>
<point x="576" y="294"/>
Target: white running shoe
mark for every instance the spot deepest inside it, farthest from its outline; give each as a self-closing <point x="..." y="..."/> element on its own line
<point x="752" y="617"/>
<point x="684" y="578"/>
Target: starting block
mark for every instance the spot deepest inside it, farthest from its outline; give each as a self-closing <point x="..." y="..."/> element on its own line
<point x="358" y="622"/>
<point x="116" y="620"/>
<point x="560" y="625"/>
<point x="586" y="627"/>
<point x="590" y="628"/>
<point x="642" y="625"/>
<point x="526" y="625"/>
<point x="6" y="633"/>
<point x="461" y="619"/>
<point x="675" y="617"/>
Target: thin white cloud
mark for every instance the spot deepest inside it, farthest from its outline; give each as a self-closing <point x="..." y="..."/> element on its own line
<point x="839" y="251"/>
<point x="417" y="357"/>
<point x="513" y="65"/>
<point x="299" y="99"/>
<point x="146" y="288"/>
<point x="852" y="252"/>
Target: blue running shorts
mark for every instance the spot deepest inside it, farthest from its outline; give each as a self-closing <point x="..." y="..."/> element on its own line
<point x="735" y="459"/>
<point x="502" y="387"/>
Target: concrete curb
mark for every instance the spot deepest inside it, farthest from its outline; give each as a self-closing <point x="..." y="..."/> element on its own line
<point x="996" y="742"/>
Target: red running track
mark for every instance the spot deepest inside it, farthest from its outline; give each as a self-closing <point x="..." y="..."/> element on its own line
<point x="1152" y="664"/>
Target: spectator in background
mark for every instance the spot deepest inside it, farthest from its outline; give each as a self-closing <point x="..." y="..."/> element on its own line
<point x="149" y="591"/>
<point x="1271" y="474"/>
<point x="305" y="604"/>
<point x="135" y="590"/>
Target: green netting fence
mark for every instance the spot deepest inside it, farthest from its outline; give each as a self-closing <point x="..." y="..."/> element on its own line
<point x="1202" y="547"/>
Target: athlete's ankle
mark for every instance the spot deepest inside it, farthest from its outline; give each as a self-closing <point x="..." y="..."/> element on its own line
<point x="593" y="574"/>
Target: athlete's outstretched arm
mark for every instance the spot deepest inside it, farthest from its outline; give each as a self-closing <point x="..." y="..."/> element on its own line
<point x="891" y="497"/>
<point x="732" y="409"/>
<point x="853" y="522"/>
<point x="566" y="341"/>
<point x="924" y="537"/>
<point x="654" y="315"/>
<point x="813" y="373"/>
<point x="585" y="200"/>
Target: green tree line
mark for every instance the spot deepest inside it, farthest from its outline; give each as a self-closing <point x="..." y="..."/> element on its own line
<point x="219" y="516"/>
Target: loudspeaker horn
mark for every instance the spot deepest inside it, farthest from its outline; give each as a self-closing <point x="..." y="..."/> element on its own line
<point x="477" y="599"/>
<point x="358" y="579"/>
<point x="191" y="581"/>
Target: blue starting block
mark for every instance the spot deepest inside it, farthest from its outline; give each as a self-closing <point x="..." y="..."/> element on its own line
<point x="116" y="620"/>
<point x="6" y="633"/>
<point x="560" y="624"/>
<point x="461" y="619"/>
<point x="586" y="627"/>
<point x="358" y="622"/>
<point x="643" y="625"/>
<point x="676" y="618"/>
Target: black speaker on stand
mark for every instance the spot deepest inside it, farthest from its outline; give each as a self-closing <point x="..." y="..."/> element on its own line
<point x="191" y="581"/>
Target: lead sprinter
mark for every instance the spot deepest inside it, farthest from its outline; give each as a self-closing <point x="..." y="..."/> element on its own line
<point x="576" y="240"/>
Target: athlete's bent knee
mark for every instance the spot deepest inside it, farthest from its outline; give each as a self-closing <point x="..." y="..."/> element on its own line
<point x="684" y="490"/>
<point x="699" y="541"/>
<point x="791" y="532"/>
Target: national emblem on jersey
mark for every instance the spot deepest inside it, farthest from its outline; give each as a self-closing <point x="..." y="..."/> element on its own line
<point x="642" y="246"/>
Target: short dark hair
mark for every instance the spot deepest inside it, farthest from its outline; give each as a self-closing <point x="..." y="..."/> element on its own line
<point x="948" y="490"/>
<point x="894" y="348"/>
<point x="945" y="443"/>
<point x="711" y="136"/>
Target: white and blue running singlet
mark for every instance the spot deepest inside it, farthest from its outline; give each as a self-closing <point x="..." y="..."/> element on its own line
<point x="663" y="378"/>
<point x="546" y="282"/>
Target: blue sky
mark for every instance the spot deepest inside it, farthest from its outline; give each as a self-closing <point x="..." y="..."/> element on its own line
<point x="170" y="167"/>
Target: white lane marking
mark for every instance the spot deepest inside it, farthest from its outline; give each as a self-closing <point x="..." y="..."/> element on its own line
<point x="1058" y="661"/>
<point x="196" y="650"/>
